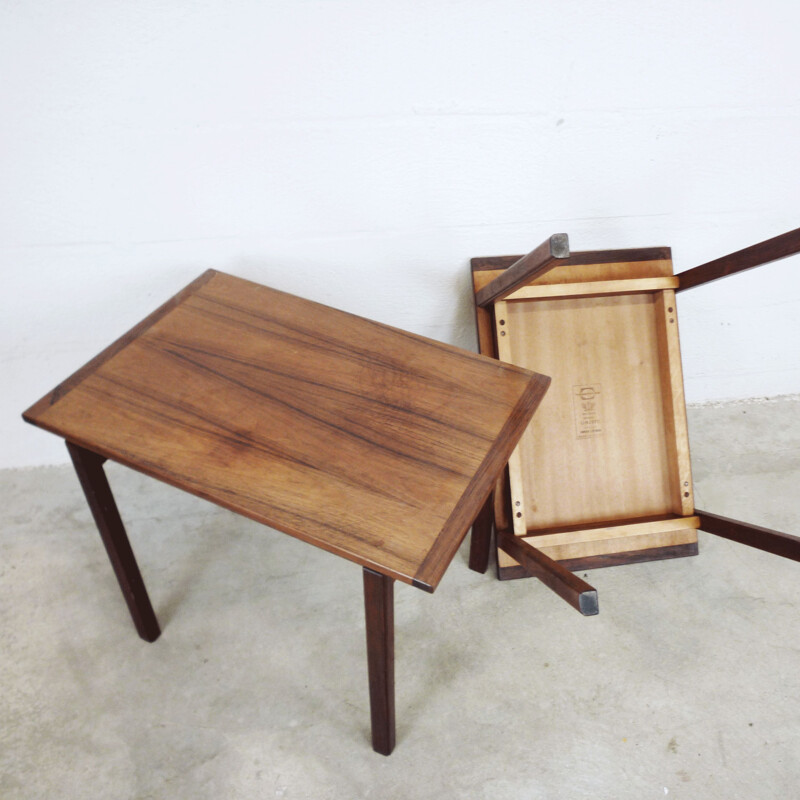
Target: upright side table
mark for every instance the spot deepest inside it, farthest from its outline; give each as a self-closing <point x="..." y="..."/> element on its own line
<point x="372" y="443"/>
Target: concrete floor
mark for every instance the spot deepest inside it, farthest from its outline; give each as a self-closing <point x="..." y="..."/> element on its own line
<point x="686" y="685"/>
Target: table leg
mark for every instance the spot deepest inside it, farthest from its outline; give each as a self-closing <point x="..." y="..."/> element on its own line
<point x="481" y="538"/>
<point x="379" y="608"/>
<point x="92" y="477"/>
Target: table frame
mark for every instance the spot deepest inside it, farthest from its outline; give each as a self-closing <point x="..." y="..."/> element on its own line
<point x="378" y="595"/>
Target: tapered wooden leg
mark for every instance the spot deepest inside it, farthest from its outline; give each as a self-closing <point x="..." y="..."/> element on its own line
<point x="92" y="477"/>
<point x="780" y="544"/>
<point x="379" y="608"/>
<point x="481" y="538"/>
<point x="565" y="584"/>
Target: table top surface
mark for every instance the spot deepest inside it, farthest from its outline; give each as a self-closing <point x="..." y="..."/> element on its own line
<point x="367" y="441"/>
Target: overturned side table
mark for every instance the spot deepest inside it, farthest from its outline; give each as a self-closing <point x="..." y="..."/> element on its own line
<point x="372" y="443"/>
<point x="602" y="477"/>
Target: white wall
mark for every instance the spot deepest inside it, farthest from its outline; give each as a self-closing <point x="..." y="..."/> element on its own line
<point x="360" y="153"/>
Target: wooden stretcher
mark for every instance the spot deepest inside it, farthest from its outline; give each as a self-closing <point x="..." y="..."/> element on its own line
<point x="602" y="476"/>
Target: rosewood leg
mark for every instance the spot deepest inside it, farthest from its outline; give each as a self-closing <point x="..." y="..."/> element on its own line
<point x="92" y="477"/>
<point x="481" y="538"/>
<point x="565" y="584"/>
<point x="379" y="608"/>
<point x="780" y="544"/>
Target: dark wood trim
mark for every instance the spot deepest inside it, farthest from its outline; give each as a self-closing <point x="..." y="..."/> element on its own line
<point x="610" y="560"/>
<point x="548" y="254"/>
<point x="552" y="574"/>
<point x="92" y="477"/>
<point x="379" y="614"/>
<point x="481" y="538"/>
<point x="40" y="406"/>
<point x="444" y="548"/>
<point x="580" y="257"/>
<point x="780" y="544"/>
<point x="787" y="244"/>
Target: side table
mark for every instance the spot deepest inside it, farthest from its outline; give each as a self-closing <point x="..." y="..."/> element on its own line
<point x="367" y="441"/>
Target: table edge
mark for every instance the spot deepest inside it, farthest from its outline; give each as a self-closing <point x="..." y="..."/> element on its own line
<point x="162" y="476"/>
<point x="33" y="413"/>
<point x="579" y="257"/>
<point x="463" y="515"/>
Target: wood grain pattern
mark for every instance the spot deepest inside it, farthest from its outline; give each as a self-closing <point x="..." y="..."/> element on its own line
<point x="639" y="255"/>
<point x="630" y="541"/>
<point x="675" y="424"/>
<point x="379" y="616"/>
<point x="615" y="531"/>
<point x="514" y="571"/>
<point x="775" y="542"/>
<point x="569" y="587"/>
<point x="487" y="346"/>
<point x="516" y="461"/>
<point x="481" y="538"/>
<point x="610" y="314"/>
<point x="597" y="449"/>
<point x="367" y="441"/>
<point x="89" y="468"/>
<point x="589" y="288"/>
<point x="485" y="323"/>
<point x="787" y="244"/>
<point x="546" y="256"/>
<point x="587" y="270"/>
<point x="36" y="410"/>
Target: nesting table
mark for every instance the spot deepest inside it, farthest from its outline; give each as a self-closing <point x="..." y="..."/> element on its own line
<point x="367" y="441"/>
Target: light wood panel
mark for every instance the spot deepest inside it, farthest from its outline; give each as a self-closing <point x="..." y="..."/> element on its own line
<point x="598" y="449"/>
<point x="676" y="427"/>
<point x="639" y="471"/>
<point x="626" y="543"/>
<point x="362" y="439"/>
<point x="516" y="462"/>
<point x="592" y="288"/>
<point x="583" y="267"/>
<point x="616" y="531"/>
<point x="624" y="269"/>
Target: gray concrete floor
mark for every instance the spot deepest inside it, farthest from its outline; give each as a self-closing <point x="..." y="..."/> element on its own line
<point x="686" y="685"/>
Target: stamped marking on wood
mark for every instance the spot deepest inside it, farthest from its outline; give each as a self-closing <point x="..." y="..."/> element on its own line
<point x="588" y="415"/>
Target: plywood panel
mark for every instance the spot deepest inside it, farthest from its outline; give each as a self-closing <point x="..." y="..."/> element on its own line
<point x="597" y="449"/>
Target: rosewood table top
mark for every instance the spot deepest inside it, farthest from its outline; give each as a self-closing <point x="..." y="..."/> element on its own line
<point x="367" y="441"/>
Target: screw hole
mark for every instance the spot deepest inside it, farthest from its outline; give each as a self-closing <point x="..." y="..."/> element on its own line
<point x="519" y="513"/>
<point x="517" y="504"/>
<point x="672" y="320"/>
<point x="502" y="333"/>
<point x="502" y="322"/>
<point x="686" y="494"/>
<point x="670" y="310"/>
